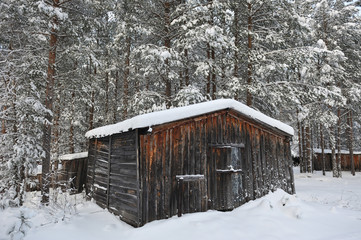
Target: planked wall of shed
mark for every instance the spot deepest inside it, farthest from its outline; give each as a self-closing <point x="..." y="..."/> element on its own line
<point x="191" y="146"/>
<point x="113" y="175"/>
<point x="345" y="162"/>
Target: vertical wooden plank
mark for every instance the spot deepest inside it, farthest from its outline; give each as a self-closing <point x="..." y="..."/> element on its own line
<point x="139" y="179"/>
<point x="152" y="207"/>
<point x="250" y="169"/>
<point x="159" y="176"/>
<point x="109" y="169"/>
<point x="163" y="159"/>
<point x="175" y="166"/>
<point x="219" y="128"/>
<point x="192" y="148"/>
<point x="168" y="178"/>
<point x="214" y="130"/>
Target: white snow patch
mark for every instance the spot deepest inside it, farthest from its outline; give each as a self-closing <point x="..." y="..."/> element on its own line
<point x="324" y="208"/>
<point x="171" y="115"/>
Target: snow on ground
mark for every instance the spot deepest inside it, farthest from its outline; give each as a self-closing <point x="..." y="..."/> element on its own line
<point x="323" y="208"/>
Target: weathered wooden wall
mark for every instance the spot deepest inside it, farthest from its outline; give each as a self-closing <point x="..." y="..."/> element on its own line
<point x="76" y="170"/>
<point x="345" y="162"/>
<point x="260" y="159"/>
<point x="113" y="175"/>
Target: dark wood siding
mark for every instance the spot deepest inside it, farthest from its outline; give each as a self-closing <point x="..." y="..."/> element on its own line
<point x="73" y="174"/>
<point x="345" y="162"/>
<point x="113" y="175"/>
<point x="203" y="145"/>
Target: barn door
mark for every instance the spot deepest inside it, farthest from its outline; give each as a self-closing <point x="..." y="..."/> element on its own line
<point x="226" y="170"/>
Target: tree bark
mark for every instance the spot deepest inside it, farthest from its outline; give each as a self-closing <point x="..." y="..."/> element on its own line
<point x="3" y="122"/>
<point x="338" y="142"/>
<point x="92" y="104"/>
<point x="49" y="105"/>
<point x="186" y="69"/>
<point x="71" y="134"/>
<point x="304" y="149"/>
<point x="107" y="97"/>
<point x="167" y="44"/>
<point x="299" y="143"/>
<point x="126" y="78"/>
<point x="308" y="148"/>
<point x="333" y="152"/>
<point x="214" y="80"/>
<point x="249" y="52"/>
<point x="209" y="81"/>
<point x="236" y="44"/>
<point x="322" y="151"/>
<point x="115" y="104"/>
<point x="350" y="141"/>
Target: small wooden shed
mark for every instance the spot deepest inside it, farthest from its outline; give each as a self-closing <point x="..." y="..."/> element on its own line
<point x="72" y="171"/>
<point x="345" y="160"/>
<point x="213" y="155"/>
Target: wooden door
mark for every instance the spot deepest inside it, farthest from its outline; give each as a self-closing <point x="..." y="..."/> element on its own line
<point x="225" y="177"/>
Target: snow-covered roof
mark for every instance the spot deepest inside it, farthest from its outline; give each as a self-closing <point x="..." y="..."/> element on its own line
<point x="174" y="114"/>
<point x="73" y="156"/>
<point x="326" y="151"/>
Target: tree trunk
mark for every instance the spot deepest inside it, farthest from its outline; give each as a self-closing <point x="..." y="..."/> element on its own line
<point x="299" y="143"/>
<point x="334" y="166"/>
<point x="312" y="149"/>
<point x="71" y="134"/>
<point x="214" y="80"/>
<point x="209" y="81"/>
<point x="249" y="52"/>
<point x="322" y="151"/>
<point x="91" y="111"/>
<point x="92" y="104"/>
<point x="167" y="44"/>
<point x="186" y="69"/>
<point x="3" y="122"/>
<point x="304" y="149"/>
<point x="308" y="148"/>
<point x="126" y="78"/>
<point x="333" y="152"/>
<point x="236" y="45"/>
<point x="115" y="104"/>
<point x="106" y="114"/>
<point x="338" y="142"/>
<point x="350" y="141"/>
<point x="49" y="105"/>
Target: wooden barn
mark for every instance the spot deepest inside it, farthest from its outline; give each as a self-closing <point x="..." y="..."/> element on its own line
<point x="345" y="160"/>
<point x="213" y="155"/>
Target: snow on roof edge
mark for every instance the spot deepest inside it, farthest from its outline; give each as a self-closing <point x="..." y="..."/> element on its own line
<point x="175" y="114"/>
<point x="73" y="156"/>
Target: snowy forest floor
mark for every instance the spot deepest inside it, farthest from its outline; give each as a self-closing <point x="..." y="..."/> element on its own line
<point x="323" y="208"/>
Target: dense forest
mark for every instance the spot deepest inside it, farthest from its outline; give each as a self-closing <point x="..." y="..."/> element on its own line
<point x="68" y="66"/>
